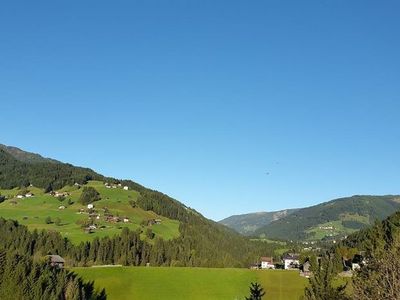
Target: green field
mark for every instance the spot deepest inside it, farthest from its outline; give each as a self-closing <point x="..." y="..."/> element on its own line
<point x="33" y="212"/>
<point x="192" y="283"/>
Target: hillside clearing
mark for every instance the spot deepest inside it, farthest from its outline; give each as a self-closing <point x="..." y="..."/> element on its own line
<point x="33" y="212"/>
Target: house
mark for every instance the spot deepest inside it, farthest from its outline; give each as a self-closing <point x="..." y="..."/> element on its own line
<point x="126" y="188"/>
<point x="291" y="261"/>
<point x="20" y="196"/>
<point x="267" y="263"/>
<point x="126" y="220"/>
<point x="61" y="207"/>
<point x="56" y="261"/>
<point x="90" y="206"/>
<point x="28" y="195"/>
<point x="355" y="266"/>
<point x="157" y="221"/>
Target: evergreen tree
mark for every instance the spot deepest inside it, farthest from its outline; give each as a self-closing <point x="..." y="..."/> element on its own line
<point x="256" y="292"/>
<point x="321" y="284"/>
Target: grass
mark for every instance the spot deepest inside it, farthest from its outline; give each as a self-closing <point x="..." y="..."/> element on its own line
<point x="192" y="283"/>
<point x="32" y="212"/>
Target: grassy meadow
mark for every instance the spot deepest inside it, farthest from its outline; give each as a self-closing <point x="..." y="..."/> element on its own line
<point x="33" y="212"/>
<point x="192" y="283"/>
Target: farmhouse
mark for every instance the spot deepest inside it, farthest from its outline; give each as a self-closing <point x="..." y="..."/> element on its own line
<point x="20" y="196"/>
<point x="291" y="261"/>
<point x="126" y="220"/>
<point x="126" y="188"/>
<point x="28" y="195"/>
<point x="61" y="207"/>
<point x="267" y="263"/>
<point x="90" y="206"/>
<point x="56" y="261"/>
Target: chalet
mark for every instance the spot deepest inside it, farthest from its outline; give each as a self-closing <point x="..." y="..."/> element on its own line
<point x="291" y="261"/>
<point x="90" y="206"/>
<point x="59" y="194"/>
<point x="56" y="261"/>
<point x="267" y="263"/>
<point x="112" y="219"/>
<point x="126" y="188"/>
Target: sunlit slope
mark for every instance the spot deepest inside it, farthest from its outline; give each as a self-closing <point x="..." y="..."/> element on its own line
<point x="34" y="212"/>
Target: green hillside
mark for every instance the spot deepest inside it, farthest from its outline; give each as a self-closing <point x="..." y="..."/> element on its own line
<point x="192" y="283"/>
<point x="247" y="224"/>
<point x="67" y="218"/>
<point x="332" y="219"/>
<point x="187" y="238"/>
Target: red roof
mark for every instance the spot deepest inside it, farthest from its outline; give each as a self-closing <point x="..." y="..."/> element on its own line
<point x="267" y="259"/>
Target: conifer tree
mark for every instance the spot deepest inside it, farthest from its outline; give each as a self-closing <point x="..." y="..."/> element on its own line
<point x="256" y="292"/>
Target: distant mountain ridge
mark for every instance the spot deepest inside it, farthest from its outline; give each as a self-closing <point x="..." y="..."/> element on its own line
<point x="247" y="224"/>
<point x="26" y="157"/>
<point x="328" y="220"/>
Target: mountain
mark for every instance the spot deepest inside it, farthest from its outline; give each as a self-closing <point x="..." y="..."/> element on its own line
<point x="335" y="218"/>
<point x="247" y="224"/>
<point x="24" y="156"/>
<point x="184" y="237"/>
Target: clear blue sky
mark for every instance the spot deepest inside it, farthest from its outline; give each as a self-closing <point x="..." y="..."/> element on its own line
<point x="228" y="106"/>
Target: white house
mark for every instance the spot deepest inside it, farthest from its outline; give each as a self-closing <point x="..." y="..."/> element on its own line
<point x="20" y="196"/>
<point x="28" y="195"/>
<point x="126" y="220"/>
<point x="291" y="261"/>
<point x="61" y="207"/>
<point x="126" y="188"/>
<point x="90" y="206"/>
<point x="267" y="263"/>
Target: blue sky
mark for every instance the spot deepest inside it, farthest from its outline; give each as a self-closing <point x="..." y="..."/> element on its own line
<point x="228" y="106"/>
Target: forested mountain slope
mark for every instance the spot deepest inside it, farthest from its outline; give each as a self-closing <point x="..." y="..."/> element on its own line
<point x="332" y="219"/>
<point x="247" y="224"/>
<point x="201" y="242"/>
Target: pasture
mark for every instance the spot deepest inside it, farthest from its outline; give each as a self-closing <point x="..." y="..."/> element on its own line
<point x="33" y="212"/>
<point x="192" y="283"/>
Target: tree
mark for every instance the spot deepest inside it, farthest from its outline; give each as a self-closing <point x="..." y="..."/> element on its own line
<point x="380" y="277"/>
<point x="321" y="284"/>
<point x="256" y="292"/>
<point x="48" y="220"/>
<point x="89" y="195"/>
<point x="149" y="233"/>
<point x="57" y="221"/>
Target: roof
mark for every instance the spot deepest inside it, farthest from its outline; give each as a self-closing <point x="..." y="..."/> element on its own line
<point x="267" y="259"/>
<point x="291" y="256"/>
<point x="56" y="259"/>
